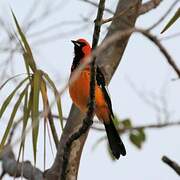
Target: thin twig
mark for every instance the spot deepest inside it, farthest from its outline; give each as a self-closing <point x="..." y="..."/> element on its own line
<point x="164" y="16"/>
<point x="96" y="5"/>
<point x="163" y="50"/>
<point x="170" y="37"/>
<point x="103" y="21"/>
<point x="150" y="126"/>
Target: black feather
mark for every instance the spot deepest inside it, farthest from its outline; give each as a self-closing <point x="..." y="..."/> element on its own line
<point x="79" y="55"/>
<point x="101" y="83"/>
<point x="115" y="142"/>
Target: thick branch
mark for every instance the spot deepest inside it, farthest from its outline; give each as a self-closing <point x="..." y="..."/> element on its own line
<point x="108" y="60"/>
<point x="65" y="172"/>
<point x="18" y="169"/>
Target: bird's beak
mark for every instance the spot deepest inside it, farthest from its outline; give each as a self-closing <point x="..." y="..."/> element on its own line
<point x="74" y="42"/>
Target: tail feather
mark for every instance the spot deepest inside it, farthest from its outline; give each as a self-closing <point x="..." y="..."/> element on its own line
<point x="115" y="142"/>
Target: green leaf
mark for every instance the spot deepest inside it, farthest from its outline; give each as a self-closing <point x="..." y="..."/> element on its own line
<point x="10" y="79"/>
<point x="22" y="139"/>
<point x="116" y="121"/>
<point x="47" y="111"/>
<point x="43" y="90"/>
<point x="26" y="60"/>
<point x="127" y="123"/>
<point x="142" y="135"/>
<point x="57" y="97"/>
<point x="26" y="114"/>
<point x="134" y="138"/>
<point x="44" y="144"/>
<point x="137" y="137"/>
<point x="26" y="110"/>
<point x="26" y="46"/>
<point x="10" y="122"/>
<point x="35" y="110"/>
<point x="172" y="21"/>
<point x="9" y="98"/>
<point x="59" y="107"/>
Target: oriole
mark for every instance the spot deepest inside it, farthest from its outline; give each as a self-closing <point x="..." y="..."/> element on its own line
<point x="79" y="92"/>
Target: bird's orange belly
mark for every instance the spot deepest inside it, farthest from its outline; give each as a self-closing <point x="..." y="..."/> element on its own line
<point x="79" y="92"/>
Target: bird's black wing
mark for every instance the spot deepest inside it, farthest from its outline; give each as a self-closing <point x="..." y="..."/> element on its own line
<point x="115" y="142"/>
<point x="101" y="83"/>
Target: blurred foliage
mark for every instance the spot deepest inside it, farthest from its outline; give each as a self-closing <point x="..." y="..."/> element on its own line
<point x="172" y="20"/>
<point x="31" y="88"/>
<point x="137" y="137"/>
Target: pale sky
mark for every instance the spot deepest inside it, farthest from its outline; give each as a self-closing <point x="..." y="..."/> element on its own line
<point x="142" y="64"/>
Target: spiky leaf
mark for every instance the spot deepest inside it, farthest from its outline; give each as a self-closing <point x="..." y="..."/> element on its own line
<point x="57" y="97"/>
<point x="9" y="98"/>
<point x="26" y="114"/>
<point x="27" y="49"/>
<point x="10" y="122"/>
<point x="172" y="21"/>
<point x="35" y="110"/>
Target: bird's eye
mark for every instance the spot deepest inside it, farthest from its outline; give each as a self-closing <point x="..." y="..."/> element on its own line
<point x="78" y="44"/>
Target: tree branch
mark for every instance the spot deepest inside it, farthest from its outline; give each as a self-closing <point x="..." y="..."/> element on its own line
<point x="162" y="49"/>
<point x="110" y="58"/>
<point x="164" y="16"/>
<point x="144" y="8"/>
<point x="172" y="164"/>
<point x="120" y="35"/>
<point x="150" y="126"/>
<point x="87" y="122"/>
<point x="96" y="5"/>
<point x="148" y="6"/>
<point x="18" y="169"/>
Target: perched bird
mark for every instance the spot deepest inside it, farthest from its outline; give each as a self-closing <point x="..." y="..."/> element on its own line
<point x="79" y="92"/>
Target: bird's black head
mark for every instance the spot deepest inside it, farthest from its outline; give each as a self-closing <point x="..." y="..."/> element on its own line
<point x="81" y="49"/>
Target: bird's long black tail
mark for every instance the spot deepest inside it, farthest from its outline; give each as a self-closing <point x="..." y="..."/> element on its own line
<point x="115" y="142"/>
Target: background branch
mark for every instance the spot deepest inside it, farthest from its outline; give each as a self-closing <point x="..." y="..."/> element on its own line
<point x="17" y="169"/>
<point x="150" y="126"/>
<point x="172" y="164"/>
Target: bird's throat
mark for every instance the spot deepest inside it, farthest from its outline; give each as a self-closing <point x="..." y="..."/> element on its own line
<point x="79" y="55"/>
